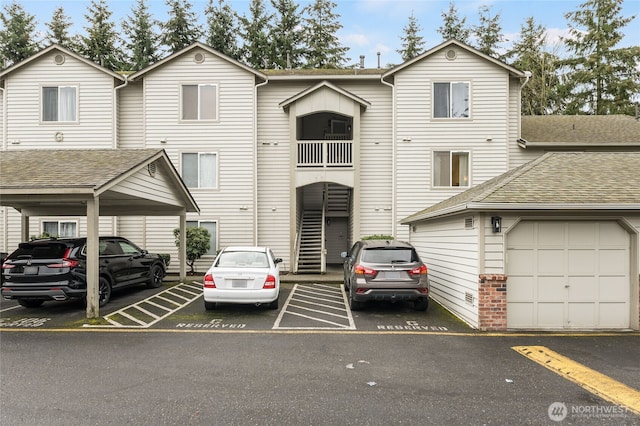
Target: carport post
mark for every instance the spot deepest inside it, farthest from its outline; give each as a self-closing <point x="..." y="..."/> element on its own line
<point x="93" y="236"/>
<point x="24" y="227"/>
<point x="182" y="258"/>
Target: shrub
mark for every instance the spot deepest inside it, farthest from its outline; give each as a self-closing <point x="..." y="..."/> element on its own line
<point x="198" y="243"/>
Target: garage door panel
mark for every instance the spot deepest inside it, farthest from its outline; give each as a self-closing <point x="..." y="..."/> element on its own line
<point x="550" y="287"/>
<point x="521" y="289"/>
<point x="550" y="314"/>
<point x="581" y="314"/>
<point x="548" y="233"/>
<point x="520" y="314"/>
<point x="551" y="262"/>
<point x="581" y="288"/>
<point x="612" y="235"/>
<point x="581" y="262"/>
<point x="613" y="262"/>
<point x="523" y="261"/>
<point x="582" y="234"/>
<point x="613" y="315"/>
<point x="613" y="289"/>
<point x="522" y="235"/>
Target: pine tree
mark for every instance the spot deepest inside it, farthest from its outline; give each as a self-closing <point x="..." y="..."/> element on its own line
<point x="539" y="96"/>
<point x="255" y="27"/>
<point x="181" y="30"/>
<point x="100" y="43"/>
<point x="601" y="78"/>
<point x="286" y="35"/>
<point x="58" y="32"/>
<point x="222" y="28"/>
<point x="412" y="42"/>
<point x="142" y="42"/>
<point x="321" y="27"/>
<point x="488" y="32"/>
<point x="453" y="26"/>
<point x="16" y="35"/>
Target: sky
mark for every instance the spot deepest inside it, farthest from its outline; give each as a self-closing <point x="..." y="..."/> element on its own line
<point x="372" y="26"/>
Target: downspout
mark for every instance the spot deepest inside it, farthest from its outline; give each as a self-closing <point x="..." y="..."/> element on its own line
<point x="393" y="156"/>
<point x="255" y="159"/>
<point x="3" y="146"/>
<point x="4" y="115"/>
<point x="114" y="220"/>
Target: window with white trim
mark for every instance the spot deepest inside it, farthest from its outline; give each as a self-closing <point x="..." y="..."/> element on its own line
<point x="199" y="102"/>
<point x="200" y="169"/>
<point x="210" y="226"/>
<point x="451" y="99"/>
<point x="60" y="229"/>
<point x="450" y="168"/>
<point x="59" y="103"/>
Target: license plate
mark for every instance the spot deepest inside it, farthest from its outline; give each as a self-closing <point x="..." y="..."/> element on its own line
<point x="31" y="270"/>
<point x="238" y="283"/>
<point x="393" y="274"/>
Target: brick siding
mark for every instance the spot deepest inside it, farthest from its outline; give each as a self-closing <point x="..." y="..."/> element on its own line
<point x="492" y="302"/>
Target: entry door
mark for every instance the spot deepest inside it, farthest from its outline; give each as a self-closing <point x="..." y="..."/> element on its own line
<point x="568" y="274"/>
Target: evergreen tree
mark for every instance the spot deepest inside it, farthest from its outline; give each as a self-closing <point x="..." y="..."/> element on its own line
<point x="181" y="30"/>
<point x="255" y="27"/>
<point x="100" y="43"/>
<point x="539" y="96"/>
<point x="16" y="35"/>
<point x="321" y="27"/>
<point x="142" y="42"/>
<point x="286" y="35"/>
<point x="489" y="32"/>
<point x="222" y="28"/>
<point x="58" y="31"/>
<point x="412" y="42"/>
<point x="601" y="78"/>
<point x="453" y="26"/>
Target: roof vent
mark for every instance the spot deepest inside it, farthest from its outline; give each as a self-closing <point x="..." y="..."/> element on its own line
<point x="450" y="54"/>
<point x="151" y="168"/>
<point x="198" y="58"/>
<point x="58" y="59"/>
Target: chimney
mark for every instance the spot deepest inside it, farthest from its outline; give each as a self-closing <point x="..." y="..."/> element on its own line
<point x="361" y="61"/>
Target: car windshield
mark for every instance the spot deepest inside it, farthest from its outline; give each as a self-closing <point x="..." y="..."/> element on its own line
<point x="389" y="255"/>
<point x="40" y="251"/>
<point x="239" y="259"/>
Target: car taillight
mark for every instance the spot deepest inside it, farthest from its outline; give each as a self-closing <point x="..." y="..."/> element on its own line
<point x="270" y="282"/>
<point x="363" y="270"/>
<point x="209" y="282"/>
<point x="66" y="262"/>
<point x="8" y="266"/>
<point x="421" y="270"/>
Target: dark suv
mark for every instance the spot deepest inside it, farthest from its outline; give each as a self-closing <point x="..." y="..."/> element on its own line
<point x="55" y="269"/>
<point x="385" y="270"/>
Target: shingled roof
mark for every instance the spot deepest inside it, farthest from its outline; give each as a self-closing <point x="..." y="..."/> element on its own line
<point x="556" y="180"/>
<point x="550" y="131"/>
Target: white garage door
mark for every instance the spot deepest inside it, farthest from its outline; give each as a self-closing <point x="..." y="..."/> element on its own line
<point x="568" y="274"/>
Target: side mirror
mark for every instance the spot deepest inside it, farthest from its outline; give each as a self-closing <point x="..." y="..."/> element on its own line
<point x="344" y="255"/>
<point x="277" y="260"/>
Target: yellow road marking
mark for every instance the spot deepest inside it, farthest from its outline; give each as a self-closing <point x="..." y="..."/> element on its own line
<point x="591" y="380"/>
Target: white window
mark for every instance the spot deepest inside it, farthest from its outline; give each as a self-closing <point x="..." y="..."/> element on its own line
<point x="451" y="99"/>
<point x="450" y="168"/>
<point x="210" y="226"/>
<point x="199" y="102"/>
<point x="59" y="103"/>
<point x="60" y="229"/>
<point x="200" y="169"/>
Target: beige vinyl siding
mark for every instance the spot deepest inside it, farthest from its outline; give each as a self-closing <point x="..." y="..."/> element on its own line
<point x="142" y="184"/>
<point x="231" y="138"/>
<point x="131" y="116"/>
<point x="418" y="134"/>
<point x="451" y="254"/>
<point x="95" y="99"/>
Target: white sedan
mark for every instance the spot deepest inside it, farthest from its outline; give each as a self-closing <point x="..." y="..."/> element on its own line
<point x="243" y="275"/>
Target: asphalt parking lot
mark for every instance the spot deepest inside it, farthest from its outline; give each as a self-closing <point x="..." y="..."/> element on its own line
<point x="303" y="306"/>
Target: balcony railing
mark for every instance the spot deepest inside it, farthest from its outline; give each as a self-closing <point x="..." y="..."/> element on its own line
<point x="325" y="153"/>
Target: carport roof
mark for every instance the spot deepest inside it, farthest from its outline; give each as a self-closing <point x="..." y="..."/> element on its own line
<point x="554" y="181"/>
<point x="57" y="181"/>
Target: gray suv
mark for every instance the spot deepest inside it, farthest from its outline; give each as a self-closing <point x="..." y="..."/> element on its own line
<point x="385" y="270"/>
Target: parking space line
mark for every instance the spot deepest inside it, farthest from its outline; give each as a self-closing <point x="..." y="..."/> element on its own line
<point x="321" y="307"/>
<point x="590" y="380"/>
<point x="136" y="316"/>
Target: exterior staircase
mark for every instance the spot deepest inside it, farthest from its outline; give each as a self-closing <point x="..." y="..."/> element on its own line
<point x="310" y="252"/>
<point x="338" y="199"/>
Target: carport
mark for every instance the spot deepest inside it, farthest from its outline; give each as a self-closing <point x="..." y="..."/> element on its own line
<point x="94" y="183"/>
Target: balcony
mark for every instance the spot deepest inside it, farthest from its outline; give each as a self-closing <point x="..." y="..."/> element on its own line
<point x="325" y="154"/>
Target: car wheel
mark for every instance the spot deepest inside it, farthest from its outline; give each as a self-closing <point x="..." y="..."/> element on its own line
<point x="104" y="292"/>
<point x="155" y="276"/>
<point x="209" y="306"/>
<point x="274" y="304"/>
<point x="354" y="305"/>
<point x="30" y="303"/>
<point x="421" y="304"/>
